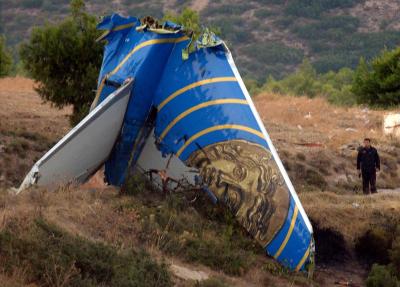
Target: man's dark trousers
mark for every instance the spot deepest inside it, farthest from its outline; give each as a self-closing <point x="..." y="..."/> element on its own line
<point x="369" y="181"/>
<point x="368" y="162"/>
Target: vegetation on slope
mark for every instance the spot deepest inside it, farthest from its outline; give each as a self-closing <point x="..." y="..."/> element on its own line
<point x="5" y="59"/>
<point x="50" y="256"/>
<point x="334" y="34"/>
<point x="378" y="82"/>
<point x="375" y="83"/>
<point x="197" y="232"/>
<point x="64" y="59"/>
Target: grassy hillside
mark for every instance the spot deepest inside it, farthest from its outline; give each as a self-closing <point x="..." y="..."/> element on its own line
<point x="266" y="36"/>
<point x="65" y="238"/>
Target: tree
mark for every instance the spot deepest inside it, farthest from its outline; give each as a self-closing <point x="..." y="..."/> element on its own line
<point x="378" y="82"/>
<point x="64" y="59"/>
<point x="188" y="18"/>
<point x="5" y="59"/>
<point x="303" y="82"/>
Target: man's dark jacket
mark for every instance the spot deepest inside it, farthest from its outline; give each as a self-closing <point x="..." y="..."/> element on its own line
<point x="368" y="159"/>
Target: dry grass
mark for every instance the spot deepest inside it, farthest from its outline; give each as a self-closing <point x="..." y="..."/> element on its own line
<point x="80" y="212"/>
<point x="105" y="216"/>
<point x="351" y="215"/>
<point x="326" y="137"/>
<point x="28" y="127"/>
<point x="320" y="121"/>
<point x="94" y="211"/>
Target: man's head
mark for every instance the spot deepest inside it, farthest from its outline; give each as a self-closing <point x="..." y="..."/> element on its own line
<point x="367" y="143"/>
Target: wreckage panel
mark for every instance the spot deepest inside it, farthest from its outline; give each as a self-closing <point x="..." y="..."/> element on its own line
<point x="85" y="148"/>
<point x="210" y="125"/>
<point x="141" y="56"/>
<point x="152" y="161"/>
<point x="285" y="246"/>
<point x="206" y="119"/>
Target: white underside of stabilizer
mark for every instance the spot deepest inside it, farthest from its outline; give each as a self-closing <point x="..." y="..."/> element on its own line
<point x="85" y="148"/>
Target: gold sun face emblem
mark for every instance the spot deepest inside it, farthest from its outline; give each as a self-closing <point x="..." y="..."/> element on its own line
<point x="245" y="177"/>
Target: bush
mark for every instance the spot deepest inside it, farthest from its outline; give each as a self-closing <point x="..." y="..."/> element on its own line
<point x="301" y="83"/>
<point x="29" y="4"/>
<point x="336" y="87"/>
<point x="146" y="10"/>
<point x="52" y="257"/>
<point x="188" y="18"/>
<point x="378" y="82"/>
<point x="196" y="232"/>
<point x="274" y="53"/>
<point x="227" y="9"/>
<point x="65" y="60"/>
<point x="263" y="13"/>
<point x="381" y="276"/>
<point x="5" y="59"/>
<point x="231" y="29"/>
<point x="329" y="28"/>
<point x="314" y="8"/>
<point x="394" y="254"/>
<point x="314" y="178"/>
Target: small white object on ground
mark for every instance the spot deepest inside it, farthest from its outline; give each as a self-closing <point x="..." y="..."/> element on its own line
<point x="391" y="124"/>
<point x="187" y="274"/>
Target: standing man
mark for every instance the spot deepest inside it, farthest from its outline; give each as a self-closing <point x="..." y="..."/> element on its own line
<point x="368" y="164"/>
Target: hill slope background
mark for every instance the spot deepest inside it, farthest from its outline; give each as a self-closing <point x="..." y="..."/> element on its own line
<point x="266" y="36"/>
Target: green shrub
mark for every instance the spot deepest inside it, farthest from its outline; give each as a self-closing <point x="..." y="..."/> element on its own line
<point x="314" y="178"/>
<point x="252" y="86"/>
<point x="226" y="9"/>
<point x="65" y="60"/>
<point x="378" y="82"/>
<point x="394" y="254"/>
<point x="146" y="10"/>
<point x="263" y="13"/>
<point x="196" y="232"/>
<point x="301" y="83"/>
<point x="285" y="22"/>
<point x="336" y="87"/>
<point x="188" y="18"/>
<point x="5" y="59"/>
<point x="381" y="276"/>
<point x="29" y="4"/>
<point x="314" y="8"/>
<point x="231" y="29"/>
<point x="264" y="2"/>
<point x="328" y="28"/>
<point x="52" y="257"/>
<point x="274" y="53"/>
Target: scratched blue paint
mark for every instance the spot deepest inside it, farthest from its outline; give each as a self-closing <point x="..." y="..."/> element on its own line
<point x="298" y="243"/>
<point x="159" y="71"/>
<point x="146" y="67"/>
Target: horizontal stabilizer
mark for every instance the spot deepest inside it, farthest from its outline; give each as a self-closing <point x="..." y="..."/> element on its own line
<point x="85" y="148"/>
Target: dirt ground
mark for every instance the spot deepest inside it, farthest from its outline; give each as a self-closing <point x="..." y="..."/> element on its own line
<point x="28" y="127"/>
<point x="318" y="142"/>
<point x="310" y="135"/>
